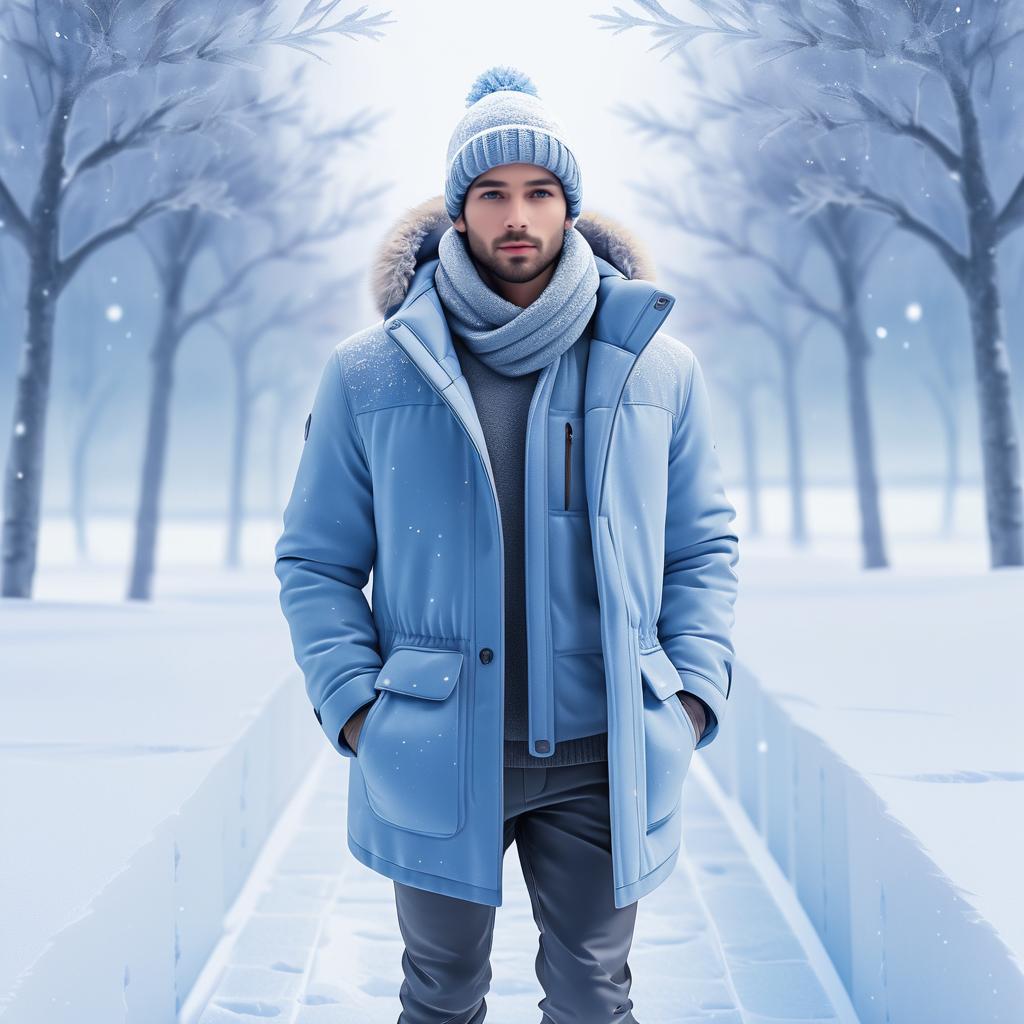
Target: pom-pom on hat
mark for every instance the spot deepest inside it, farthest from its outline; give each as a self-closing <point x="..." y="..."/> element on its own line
<point x="507" y="124"/>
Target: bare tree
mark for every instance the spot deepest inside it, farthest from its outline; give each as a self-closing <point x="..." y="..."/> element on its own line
<point x="289" y="318"/>
<point x="941" y="385"/>
<point x="69" y="51"/>
<point x="748" y="188"/>
<point x="741" y="383"/>
<point x="942" y="378"/>
<point x="921" y="73"/>
<point x="248" y="230"/>
<point x="95" y="374"/>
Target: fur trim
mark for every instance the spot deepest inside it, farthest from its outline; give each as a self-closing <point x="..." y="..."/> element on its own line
<point x="414" y="237"/>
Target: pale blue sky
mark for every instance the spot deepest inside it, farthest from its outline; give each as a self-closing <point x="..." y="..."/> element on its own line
<point x="423" y="68"/>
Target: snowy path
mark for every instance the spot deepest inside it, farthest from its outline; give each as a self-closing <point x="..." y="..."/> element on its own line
<point x="314" y="937"/>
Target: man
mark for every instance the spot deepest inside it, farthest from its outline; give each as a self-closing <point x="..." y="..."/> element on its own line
<point x="526" y="463"/>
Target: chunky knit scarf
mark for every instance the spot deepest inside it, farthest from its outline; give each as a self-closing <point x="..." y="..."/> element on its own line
<point x="512" y="339"/>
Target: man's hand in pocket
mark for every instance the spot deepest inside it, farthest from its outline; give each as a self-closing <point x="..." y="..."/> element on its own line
<point x="695" y="709"/>
<point x="350" y="730"/>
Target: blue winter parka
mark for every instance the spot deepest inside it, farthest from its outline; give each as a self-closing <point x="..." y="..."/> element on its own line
<point x="395" y="479"/>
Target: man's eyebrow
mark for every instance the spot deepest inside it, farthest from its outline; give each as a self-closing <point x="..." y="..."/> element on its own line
<point x="494" y="183"/>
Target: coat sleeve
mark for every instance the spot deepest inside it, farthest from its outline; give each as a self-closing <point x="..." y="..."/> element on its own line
<point x="323" y="561"/>
<point x="701" y="553"/>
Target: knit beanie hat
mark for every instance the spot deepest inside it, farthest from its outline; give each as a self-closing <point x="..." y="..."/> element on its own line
<point x="507" y="124"/>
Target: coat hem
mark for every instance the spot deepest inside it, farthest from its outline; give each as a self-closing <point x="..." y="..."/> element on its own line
<point x="626" y="894"/>
<point x="423" y="879"/>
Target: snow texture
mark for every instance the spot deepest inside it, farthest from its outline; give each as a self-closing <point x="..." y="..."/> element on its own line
<point x="145" y="753"/>
<point x="877" y="750"/>
<point x="872" y="770"/>
<point x="323" y="946"/>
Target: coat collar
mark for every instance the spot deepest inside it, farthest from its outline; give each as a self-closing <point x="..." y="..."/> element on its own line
<point x="630" y="309"/>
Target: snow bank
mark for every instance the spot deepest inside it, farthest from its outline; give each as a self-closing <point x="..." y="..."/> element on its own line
<point x="876" y="747"/>
<point x="145" y="752"/>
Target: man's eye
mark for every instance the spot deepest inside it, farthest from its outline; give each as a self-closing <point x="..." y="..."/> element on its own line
<point x="492" y="192"/>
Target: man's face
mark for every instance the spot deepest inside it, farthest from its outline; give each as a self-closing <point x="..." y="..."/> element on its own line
<point x="515" y="203"/>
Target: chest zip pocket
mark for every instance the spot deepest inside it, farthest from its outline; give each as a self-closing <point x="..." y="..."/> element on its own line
<point x="568" y="462"/>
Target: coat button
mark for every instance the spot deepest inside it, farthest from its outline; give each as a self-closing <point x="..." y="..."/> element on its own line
<point x="486" y="654"/>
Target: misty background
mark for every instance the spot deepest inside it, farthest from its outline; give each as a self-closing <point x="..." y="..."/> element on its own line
<point x="680" y="135"/>
<point x="191" y="198"/>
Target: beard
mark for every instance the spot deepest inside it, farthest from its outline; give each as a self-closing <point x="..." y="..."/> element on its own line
<point x="511" y="268"/>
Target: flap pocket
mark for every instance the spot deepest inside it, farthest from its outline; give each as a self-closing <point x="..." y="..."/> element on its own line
<point x="420" y="672"/>
<point x="659" y="673"/>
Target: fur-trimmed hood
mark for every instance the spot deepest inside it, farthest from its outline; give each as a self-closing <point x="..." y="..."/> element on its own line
<point x="414" y="238"/>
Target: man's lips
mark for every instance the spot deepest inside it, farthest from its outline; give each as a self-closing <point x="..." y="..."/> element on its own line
<point x="517" y="246"/>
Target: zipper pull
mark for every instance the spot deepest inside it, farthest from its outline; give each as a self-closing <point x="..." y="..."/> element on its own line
<point x="568" y="461"/>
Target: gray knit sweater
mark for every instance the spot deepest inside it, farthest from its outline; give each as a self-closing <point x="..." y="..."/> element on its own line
<point x="503" y="404"/>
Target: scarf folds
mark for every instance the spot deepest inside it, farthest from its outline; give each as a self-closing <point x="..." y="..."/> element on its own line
<point x="512" y="339"/>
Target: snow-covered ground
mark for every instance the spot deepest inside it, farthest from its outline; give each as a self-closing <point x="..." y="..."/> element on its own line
<point x="878" y="750"/>
<point x="147" y="750"/>
<point x="315" y="938"/>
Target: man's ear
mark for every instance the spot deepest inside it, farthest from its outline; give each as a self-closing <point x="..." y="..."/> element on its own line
<point x="459" y="223"/>
<point x="568" y="223"/>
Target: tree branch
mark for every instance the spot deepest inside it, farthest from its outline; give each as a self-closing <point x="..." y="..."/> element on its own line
<point x="955" y="260"/>
<point x="12" y="214"/>
<point x="655" y="126"/>
<point x="874" y="115"/>
<point x="141" y="134"/>
<point x="67" y="268"/>
<point x="280" y="250"/>
<point x="820" y="192"/>
<point x="745" y="249"/>
<point x="1011" y="215"/>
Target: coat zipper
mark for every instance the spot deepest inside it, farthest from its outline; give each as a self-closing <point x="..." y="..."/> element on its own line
<point x="568" y="461"/>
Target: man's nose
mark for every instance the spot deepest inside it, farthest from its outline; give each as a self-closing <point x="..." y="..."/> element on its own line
<point x="516" y="216"/>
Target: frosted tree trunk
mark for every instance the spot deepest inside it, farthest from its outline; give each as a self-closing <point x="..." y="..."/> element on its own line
<point x="748" y="429"/>
<point x="79" y="458"/>
<point x="147" y="517"/>
<point x="1000" y="445"/>
<point x="862" y="436"/>
<point x="239" y="449"/>
<point x="78" y="454"/>
<point x="794" y="450"/>
<point x="952" y="480"/>
<point x="275" y="505"/>
<point x="858" y="350"/>
<point x="23" y="475"/>
<point x="23" y="479"/>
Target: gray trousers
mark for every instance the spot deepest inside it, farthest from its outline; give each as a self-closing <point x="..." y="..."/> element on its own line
<point x="559" y="819"/>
